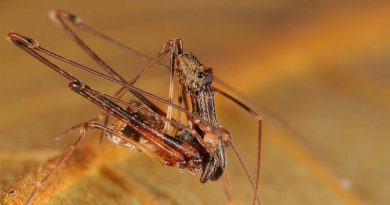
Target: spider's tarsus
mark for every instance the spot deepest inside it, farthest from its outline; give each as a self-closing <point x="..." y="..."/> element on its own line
<point x="55" y="14"/>
<point x="18" y="38"/>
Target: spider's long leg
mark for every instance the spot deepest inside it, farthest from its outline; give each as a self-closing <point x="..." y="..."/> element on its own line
<point x="182" y="101"/>
<point x="31" y="46"/>
<point x="264" y="109"/>
<point x="59" y="16"/>
<point x="228" y="189"/>
<point x="258" y="118"/>
<point x="176" y="48"/>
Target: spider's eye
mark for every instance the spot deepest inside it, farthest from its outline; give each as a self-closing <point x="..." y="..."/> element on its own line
<point x="200" y="74"/>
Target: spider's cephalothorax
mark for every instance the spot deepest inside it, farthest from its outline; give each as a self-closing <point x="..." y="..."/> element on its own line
<point x="193" y="76"/>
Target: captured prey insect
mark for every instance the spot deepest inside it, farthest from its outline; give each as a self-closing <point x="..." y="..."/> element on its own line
<point x="198" y="145"/>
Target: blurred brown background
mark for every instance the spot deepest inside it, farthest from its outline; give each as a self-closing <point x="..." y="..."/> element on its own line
<point x="321" y="65"/>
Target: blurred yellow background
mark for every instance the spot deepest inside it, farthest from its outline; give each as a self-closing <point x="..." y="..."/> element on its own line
<point x="321" y="65"/>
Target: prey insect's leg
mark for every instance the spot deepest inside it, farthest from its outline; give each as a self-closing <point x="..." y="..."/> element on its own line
<point x="259" y="139"/>
<point x="181" y="99"/>
<point x="101" y="116"/>
<point x="66" y="155"/>
<point x="105" y="123"/>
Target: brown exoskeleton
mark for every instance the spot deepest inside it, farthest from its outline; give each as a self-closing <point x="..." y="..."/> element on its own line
<point x="197" y="145"/>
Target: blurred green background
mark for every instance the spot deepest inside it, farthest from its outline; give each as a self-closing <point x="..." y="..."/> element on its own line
<point x="321" y="65"/>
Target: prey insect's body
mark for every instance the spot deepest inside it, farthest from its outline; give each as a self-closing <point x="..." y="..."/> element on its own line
<point x="197" y="145"/>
